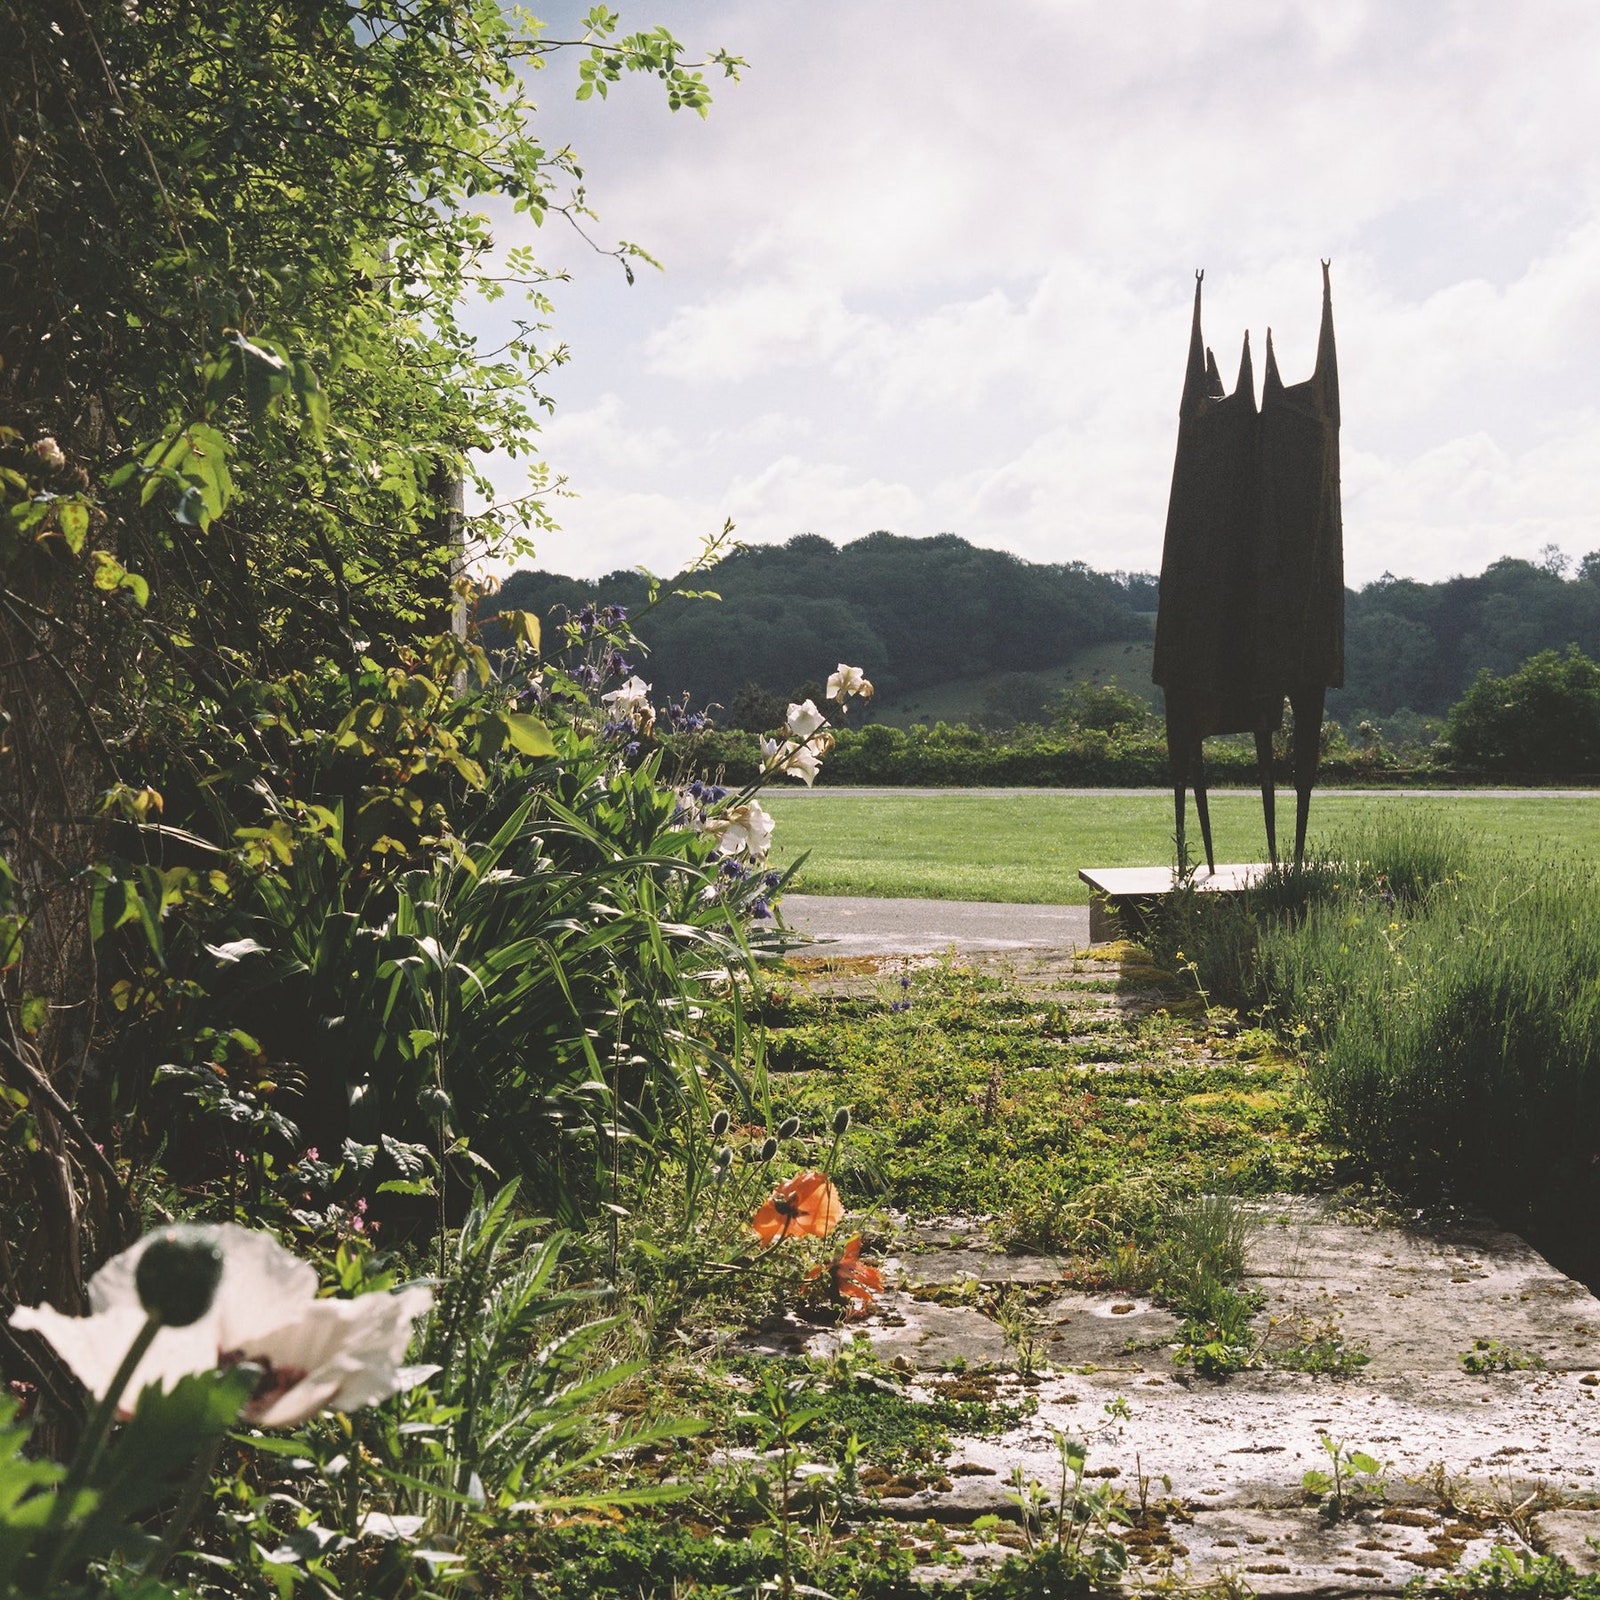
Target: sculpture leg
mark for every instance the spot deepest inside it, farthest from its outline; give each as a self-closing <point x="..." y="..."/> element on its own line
<point x="1269" y="793"/>
<point x="1200" y="804"/>
<point x="1178" y="765"/>
<point x="1307" y="747"/>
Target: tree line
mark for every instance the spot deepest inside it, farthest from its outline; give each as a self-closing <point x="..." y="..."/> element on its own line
<point x="917" y="613"/>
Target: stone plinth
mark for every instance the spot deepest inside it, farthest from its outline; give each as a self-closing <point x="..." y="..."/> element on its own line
<point x="1122" y="898"/>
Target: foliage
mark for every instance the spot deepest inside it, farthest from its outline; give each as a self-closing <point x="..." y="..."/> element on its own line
<point x="647" y="1560"/>
<point x="892" y="604"/>
<point x="1412" y="649"/>
<point x="1419" y="646"/>
<point x="1352" y="1479"/>
<point x="971" y="1095"/>
<point x="1444" y="998"/>
<point x="1511" y="1574"/>
<point x="238" y="398"/>
<point x="1490" y="1355"/>
<point x="1542" y="718"/>
<point x="1101" y="707"/>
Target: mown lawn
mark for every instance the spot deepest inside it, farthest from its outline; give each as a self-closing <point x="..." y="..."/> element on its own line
<point x="1028" y="847"/>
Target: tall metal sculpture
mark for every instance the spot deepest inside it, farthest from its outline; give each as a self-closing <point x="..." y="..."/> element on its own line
<point x="1252" y="572"/>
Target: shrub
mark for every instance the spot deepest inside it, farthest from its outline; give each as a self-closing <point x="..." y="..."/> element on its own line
<point x="1542" y="718"/>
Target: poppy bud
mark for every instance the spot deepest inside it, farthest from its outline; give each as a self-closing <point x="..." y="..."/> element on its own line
<point x="436" y="1102"/>
<point x="720" y="1124"/>
<point x="768" y="1150"/>
<point x="178" y="1274"/>
<point x="789" y="1127"/>
<point x="841" y="1122"/>
<point x="724" y="1158"/>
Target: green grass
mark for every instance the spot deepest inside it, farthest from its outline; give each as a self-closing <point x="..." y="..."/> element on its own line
<point x="1069" y="1126"/>
<point x="1028" y="848"/>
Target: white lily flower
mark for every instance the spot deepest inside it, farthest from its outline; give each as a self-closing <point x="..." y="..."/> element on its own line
<point x="804" y="719"/>
<point x="743" y="830"/>
<point x="318" y="1354"/>
<point x="848" y="681"/>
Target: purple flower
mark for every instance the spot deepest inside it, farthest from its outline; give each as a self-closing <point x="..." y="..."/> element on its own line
<point x="631" y="749"/>
<point x="759" y="908"/>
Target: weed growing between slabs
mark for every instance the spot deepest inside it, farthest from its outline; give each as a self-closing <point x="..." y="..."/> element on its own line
<point x="1077" y="1127"/>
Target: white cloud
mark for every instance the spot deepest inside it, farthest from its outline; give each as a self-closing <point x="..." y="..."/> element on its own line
<point x="929" y="268"/>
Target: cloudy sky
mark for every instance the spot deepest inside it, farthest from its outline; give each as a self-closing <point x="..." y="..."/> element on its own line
<point x="929" y="267"/>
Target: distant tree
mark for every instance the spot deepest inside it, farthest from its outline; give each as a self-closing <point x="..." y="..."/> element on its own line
<point x="1542" y="718"/>
<point x="1101" y="706"/>
<point x="756" y="710"/>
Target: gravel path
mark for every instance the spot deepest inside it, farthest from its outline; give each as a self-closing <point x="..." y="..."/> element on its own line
<point x="850" y="925"/>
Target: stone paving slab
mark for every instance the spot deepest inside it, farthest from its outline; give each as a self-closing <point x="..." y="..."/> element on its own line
<point x="1230" y="1456"/>
<point x="1418" y="1298"/>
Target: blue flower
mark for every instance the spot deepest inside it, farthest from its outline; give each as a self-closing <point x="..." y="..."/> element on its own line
<point x="759" y="909"/>
<point x="631" y="749"/>
<point x="772" y="880"/>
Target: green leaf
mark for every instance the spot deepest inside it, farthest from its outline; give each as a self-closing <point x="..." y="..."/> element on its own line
<point x="73" y="515"/>
<point x="524" y="626"/>
<point x="528" y="734"/>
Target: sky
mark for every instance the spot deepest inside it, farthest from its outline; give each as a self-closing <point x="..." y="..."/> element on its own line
<point x="929" y="267"/>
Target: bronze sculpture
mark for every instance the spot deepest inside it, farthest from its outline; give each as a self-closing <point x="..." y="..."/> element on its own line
<point x="1252" y="571"/>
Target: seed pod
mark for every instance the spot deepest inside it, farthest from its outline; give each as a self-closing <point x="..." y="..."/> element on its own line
<point x="789" y="1127"/>
<point x="841" y="1122"/>
<point x="720" y="1124"/>
<point x="178" y="1274"/>
<point x="435" y="1101"/>
<point x="768" y="1150"/>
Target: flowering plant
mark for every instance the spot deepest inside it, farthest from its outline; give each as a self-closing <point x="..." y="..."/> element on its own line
<point x="314" y="1354"/>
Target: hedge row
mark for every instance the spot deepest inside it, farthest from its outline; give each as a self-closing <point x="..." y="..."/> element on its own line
<point x="961" y="757"/>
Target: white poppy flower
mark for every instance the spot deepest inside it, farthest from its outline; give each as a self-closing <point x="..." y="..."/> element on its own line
<point x="632" y="700"/>
<point x="318" y="1354"/>
<point x="804" y="719"/>
<point x="743" y="830"/>
<point x="848" y="681"/>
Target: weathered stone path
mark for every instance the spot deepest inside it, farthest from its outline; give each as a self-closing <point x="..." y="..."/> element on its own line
<point x="1473" y="1459"/>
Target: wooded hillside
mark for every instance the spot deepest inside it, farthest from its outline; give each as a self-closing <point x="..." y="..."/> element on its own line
<point x="924" y="612"/>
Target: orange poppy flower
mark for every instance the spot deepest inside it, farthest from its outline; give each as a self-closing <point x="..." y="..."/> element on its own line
<point x="805" y="1204"/>
<point x="855" y="1282"/>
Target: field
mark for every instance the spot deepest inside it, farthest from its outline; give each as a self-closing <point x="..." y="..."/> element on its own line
<point x="974" y="700"/>
<point x="1027" y="846"/>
